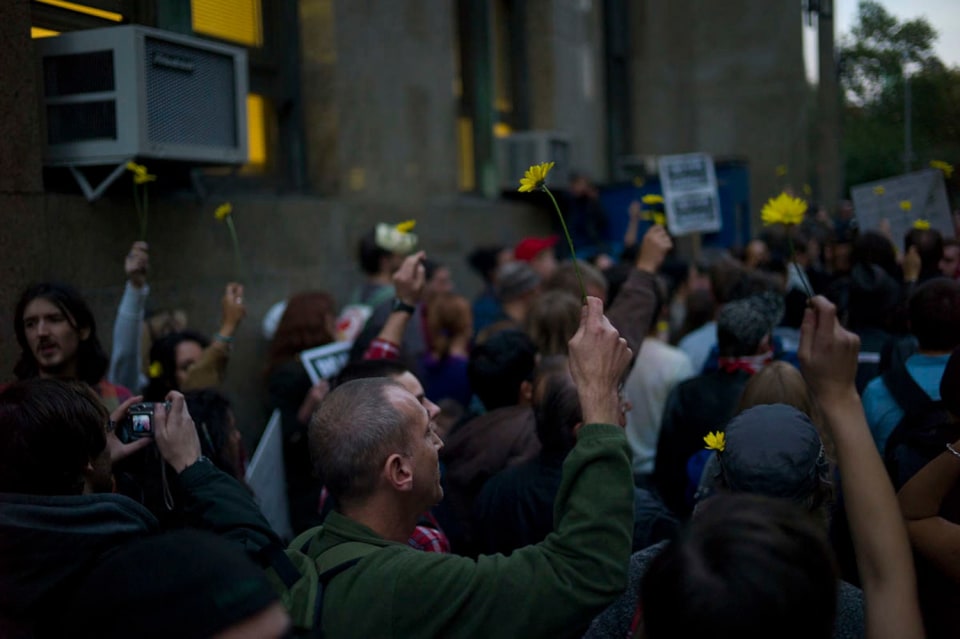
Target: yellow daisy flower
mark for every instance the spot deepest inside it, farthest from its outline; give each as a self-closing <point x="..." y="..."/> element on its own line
<point x="922" y="225"/>
<point x="223" y="211"/>
<point x="906" y="205"/>
<point x="715" y="441"/>
<point x="156" y="370"/>
<point x="946" y="167"/>
<point x="140" y="174"/>
<point x="879" y="190"/>
<point x="406" y="227"/>
<point x="652" y="199"/>
<point x="535" y="177"/>
<point x="783" y="209"/>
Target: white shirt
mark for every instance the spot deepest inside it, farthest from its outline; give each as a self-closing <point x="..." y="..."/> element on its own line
<point x="659" y="367"/>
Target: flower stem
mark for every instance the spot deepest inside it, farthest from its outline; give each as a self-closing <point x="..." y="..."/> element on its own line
<point x="793" y="258"/>
<point x="236" y="246"/>
<point x="573" y="253"/>
<point x="143" y="220"/>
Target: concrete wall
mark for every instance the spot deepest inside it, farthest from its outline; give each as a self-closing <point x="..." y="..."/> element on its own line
<point x="565" y="55"/>
<point x="378" y="80"/>
<point x="722" y="77"/>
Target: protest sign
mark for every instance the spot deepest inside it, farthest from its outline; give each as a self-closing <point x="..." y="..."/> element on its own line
<point x="325" y="361"/>
<point x="901" y="201"/>
<point x="690" y="195"/>
<point x="265" y="476"/>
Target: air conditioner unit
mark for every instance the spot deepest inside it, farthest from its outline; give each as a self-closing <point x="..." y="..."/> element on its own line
<point x="118" y="93"/>
<point x="518" y="151"/>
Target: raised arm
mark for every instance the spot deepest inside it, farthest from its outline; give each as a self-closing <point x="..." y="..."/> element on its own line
<point x="409" y="281"/>
<point x="552" y="589"/>
<point x="210" y="370"/>
<point x="125" y="363"/>
<point x="828" y="356"/>
<point x="920" y="499"/>
<point x="632" y="311"/>
<point x="213" y="500"/>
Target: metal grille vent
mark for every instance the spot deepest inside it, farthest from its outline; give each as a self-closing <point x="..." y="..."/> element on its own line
<point x="190" y="96"/>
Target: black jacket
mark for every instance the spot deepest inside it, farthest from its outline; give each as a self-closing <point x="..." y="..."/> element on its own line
<point x="47" y="544"/>
<point x="694" y="408"/>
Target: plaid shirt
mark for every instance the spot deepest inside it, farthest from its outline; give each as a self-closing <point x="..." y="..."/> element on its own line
<point x="382" y="349"/>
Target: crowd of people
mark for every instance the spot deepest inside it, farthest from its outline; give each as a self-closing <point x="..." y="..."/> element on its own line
<point x="757" y="442"/>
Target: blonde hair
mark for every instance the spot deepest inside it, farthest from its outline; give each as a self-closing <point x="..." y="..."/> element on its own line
<point x="448" y="318"/>
<point x="782" y="383"/>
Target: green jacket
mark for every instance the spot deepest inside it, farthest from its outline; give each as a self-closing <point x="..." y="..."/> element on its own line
<point x="552" y="589"/>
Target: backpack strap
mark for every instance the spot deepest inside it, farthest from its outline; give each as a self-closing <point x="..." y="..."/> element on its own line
<point x="905" y="390"/>
<point x="330" y="563"/>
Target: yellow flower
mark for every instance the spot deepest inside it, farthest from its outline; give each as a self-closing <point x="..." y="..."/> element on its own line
<point x="156" y="370"/>
<point x="922" y="225"/>
<point x="406" y="227"/>
<point x="659" y="219"/>
<point x="140" y="175"/>
<point x="781" y="170"/>
<point x="223" y="211"/>
<point x="946" y="167"/>
<point x="783" y="209"/>
<point x="715" y="441"/>
<point x="535" y="177"/>
<point x="906" y="205"/>
<point x="652" y="199"/>
<point x="879" y="190"/>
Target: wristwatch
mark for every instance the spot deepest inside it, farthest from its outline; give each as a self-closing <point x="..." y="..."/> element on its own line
<point x="400" y="305"/>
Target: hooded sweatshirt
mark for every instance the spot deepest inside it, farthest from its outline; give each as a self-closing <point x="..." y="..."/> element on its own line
<point x="47" y="543"/>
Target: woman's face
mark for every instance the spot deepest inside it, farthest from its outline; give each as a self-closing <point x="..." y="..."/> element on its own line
<point x="187" y="354"/>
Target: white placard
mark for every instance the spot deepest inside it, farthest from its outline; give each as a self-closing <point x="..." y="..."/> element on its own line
<point x="874" y="202"/>
<point x="265" y="476"/>
<point x="690" y="195"/>
<point x="325" y="361"/>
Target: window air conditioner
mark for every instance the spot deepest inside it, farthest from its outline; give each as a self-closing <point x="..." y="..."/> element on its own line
<point x="125" y="92"/>
<point x="518" y="151"/>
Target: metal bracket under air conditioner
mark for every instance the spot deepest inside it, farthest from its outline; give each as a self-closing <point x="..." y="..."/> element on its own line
<point x="90" y="192"/>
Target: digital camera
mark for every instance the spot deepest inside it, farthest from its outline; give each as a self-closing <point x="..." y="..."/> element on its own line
<point x="138" y="422"/>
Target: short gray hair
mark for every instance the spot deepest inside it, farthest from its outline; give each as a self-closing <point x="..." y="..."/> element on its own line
<point x="354" y="431"/>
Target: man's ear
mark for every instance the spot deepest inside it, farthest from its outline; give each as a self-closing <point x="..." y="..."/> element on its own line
<point x="398" y="472"/>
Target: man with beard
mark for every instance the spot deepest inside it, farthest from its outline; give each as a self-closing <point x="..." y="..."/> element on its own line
<point x="58" y="338"/>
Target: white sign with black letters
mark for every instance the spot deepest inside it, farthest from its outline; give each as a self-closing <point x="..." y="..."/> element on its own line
<point x="690" y="195"/>
<point x="325" y="361"/>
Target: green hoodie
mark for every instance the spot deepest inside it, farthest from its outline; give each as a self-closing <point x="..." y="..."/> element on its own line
<point x="552" y="589"/>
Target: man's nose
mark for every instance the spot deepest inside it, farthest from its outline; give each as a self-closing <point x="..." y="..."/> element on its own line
<point x="42" y="328"/>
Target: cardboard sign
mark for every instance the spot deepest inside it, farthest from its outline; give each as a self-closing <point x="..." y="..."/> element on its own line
<point x="925" y="192"/>
<point x="690" y="193"/>
<point x="265" y="476"/>
<point x="325" y="361"/>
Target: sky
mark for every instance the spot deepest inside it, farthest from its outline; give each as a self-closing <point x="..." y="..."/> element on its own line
<point x="944" y="15"/>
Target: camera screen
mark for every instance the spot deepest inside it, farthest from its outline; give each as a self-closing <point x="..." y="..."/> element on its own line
<point x="141" y="423"/>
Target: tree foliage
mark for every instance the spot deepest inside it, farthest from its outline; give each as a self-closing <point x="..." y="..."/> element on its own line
<point x="872" y="60"/>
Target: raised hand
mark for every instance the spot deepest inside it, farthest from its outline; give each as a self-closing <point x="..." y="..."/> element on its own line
<point x="599" y="358"/>
<point x="137" y="264"/>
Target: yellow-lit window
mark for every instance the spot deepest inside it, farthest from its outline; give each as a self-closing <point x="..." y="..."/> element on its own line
<point x="256" y="134"/>
<point x="82" y="8"/>
<point x="40" y="32"/>
<point x="466" y="175"/>
<point x="234" y="20"/>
